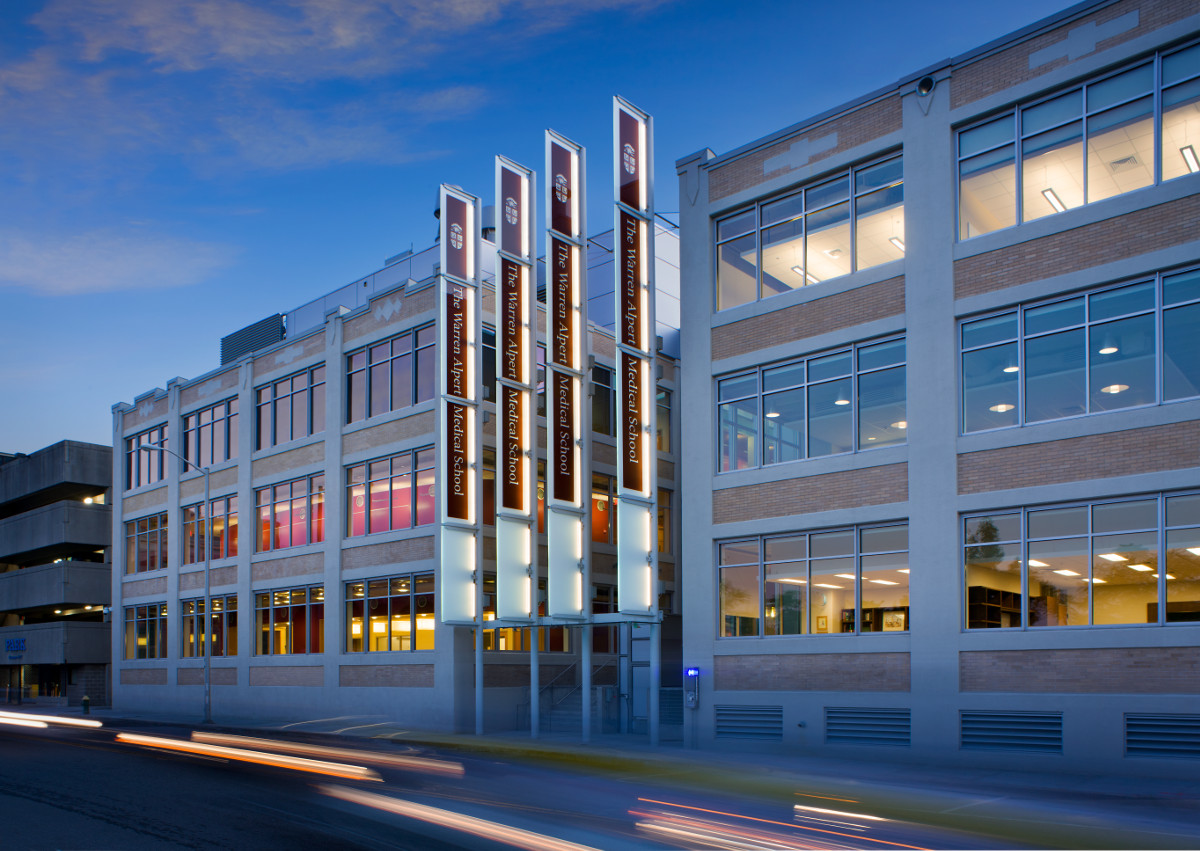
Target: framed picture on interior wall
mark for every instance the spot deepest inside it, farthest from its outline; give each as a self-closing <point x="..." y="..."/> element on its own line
<point x="822" y="623"/>
<point x="893" y="621"/>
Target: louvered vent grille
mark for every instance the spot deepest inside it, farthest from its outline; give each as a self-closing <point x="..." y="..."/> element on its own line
<point x="852" y="725"/>
<point x="1162" y="735"/>
<point x="1012" y="731"/>
<point x="749" y="722"/>
<point x="252" y="338"/>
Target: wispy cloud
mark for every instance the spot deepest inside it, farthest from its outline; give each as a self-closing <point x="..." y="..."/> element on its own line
<point x="105" y="261"/>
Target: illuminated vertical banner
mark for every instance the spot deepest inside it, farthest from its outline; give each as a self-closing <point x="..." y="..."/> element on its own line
<point x="633" y="191"/>
<point x="566" y="342"/>
<point x="516" y="475"/>
<point x="459" y="475"/>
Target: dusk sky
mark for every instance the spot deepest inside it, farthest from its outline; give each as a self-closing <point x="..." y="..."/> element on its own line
<point x="174" y="170"/>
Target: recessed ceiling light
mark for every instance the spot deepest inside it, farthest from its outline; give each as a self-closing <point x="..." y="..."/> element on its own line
<point x="834" y="252"/>
<point x="841" y="401"/>
<point x="900" y="424"/>
<point x="849" y="576"/>
<point x="772" y="414"/>
<point x="1012" y="369"/>
<point x="791" y="581"/>
<point x="902" y="570"/>
<point x="1114" y="388"/>
<point x="1097" y="582"/>
<point x="1194" y="550"/>
<point x="1033" y="562"/>
<point x="812" y="279"/>
<point x="1109" y="350"/>
<point x="1169" y="576"/>
<point x="884" y="582"/>
<point x="1189" y="157"/>
<point x="1112" y="557"/>
<point x="823" y="585"/>
<point x="1002" y="408"/>
<point x="1066" y="573"/>
<point x="897" y="241"/>
<point x="1140" y="568"/>
<point x="1052" y="197"/>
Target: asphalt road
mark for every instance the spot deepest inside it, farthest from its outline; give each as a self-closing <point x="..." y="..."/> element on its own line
<point x="65" y="788"/>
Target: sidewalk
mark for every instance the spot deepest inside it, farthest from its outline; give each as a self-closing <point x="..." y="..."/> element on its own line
<point x="1022" y="808"/>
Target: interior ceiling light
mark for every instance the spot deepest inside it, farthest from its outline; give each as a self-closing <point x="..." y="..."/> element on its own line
<point x="1112" y="557"/>
<point x="849" y="576"/>
<point x="1189" y="157"/>
<point x="1002" y="408"/>
<point x="791" y="581"/>
<point x="1097" y="581"/>
<point x="1114" y="388"/>
<point x="1053" y="199"/>
<point x="772" y="414"/>
<point x="823" y="585"/>
<point x="1109" y="350"/>
<point x="902" y="570"/>
<point x="898" y="242"/>
<point x="835" y="253"/>
<point x="812" y="279"/>
<point x="1012" y="369"/>
<point x="1033" y="562"/>
<point x="900" y="424"/>
<point x="1194" y="550"/>
<point x="1066" y="573"/>
<point x="1169" y="576"/>
<point x="883" y="582"/>
<point x="841" y="401"/>
<point x="1140" y="568"/>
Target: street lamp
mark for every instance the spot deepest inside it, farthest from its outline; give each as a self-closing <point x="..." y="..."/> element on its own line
<point x="207" y="601"/>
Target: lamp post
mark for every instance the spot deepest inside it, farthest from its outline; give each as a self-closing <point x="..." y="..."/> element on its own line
<point x="207" y="510"/>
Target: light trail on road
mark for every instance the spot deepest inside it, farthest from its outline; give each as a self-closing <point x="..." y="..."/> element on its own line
<point x="333" y="769"/>
<point x="411" y="763"/>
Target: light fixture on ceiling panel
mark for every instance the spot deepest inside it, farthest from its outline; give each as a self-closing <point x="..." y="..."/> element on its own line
<point x="1194" y="550"/>
<point x="1052" y="198"/>
<point x="902" y="424"/>
<point x="884" y="582"/>
<point x="809" y="278"/>
<point x="1065" y="572"/>
<point x="1140" y="568"/>
<point x="841" y="400"/>
<point x="902" y="570"/>
<point x="849" y="576"/>
<point x="1169" y="576"/>
<point x="772" y="414"/>
<point x="1189" y="157"/>
<point x="1098" y="581"/>
<point x="1112" y="557"/>
<point x="898" y="242"/>
<point x="1002" y="408"/>
<point x="824" y="585"/>
<point x="1114" y="388"/>
<point x="1012" y="368"/>
<point x="1033" y="562"/>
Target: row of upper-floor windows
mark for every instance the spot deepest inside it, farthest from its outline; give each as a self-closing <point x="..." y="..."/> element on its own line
<point x="1128" y="345"/>
<point x="1124" y="131"/>
<point x="1136" y="127"/>
<point x="387" y="376"/>
<point x="392" y="493"/>
<point x="1129" y="561"/>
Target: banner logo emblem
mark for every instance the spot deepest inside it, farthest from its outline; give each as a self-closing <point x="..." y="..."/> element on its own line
<point x="456" y="236"/>
<point x="561" y="191"/>
<point x="629" y="158"/>
<point x="510" y="210"/>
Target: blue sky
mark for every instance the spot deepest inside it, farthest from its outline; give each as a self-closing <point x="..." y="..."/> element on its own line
<point x="173" y="171"/>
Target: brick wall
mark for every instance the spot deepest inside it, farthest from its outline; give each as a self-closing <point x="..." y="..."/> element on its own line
<point x="854" y="128"/>
<point x="224" y="385"/>
<point x="406" y="428"/>
<point x="278" y="568"/>
<point x="800" y="321"/>
<point x="300" y="460"/>
<point x="813" y="672"/>
<point x="1098" y="456"/>
<point x="90" y="680"/>
<point x="392" y="553"/>
<point x="219" y="676"/>
<point x="292" y="358"/>
<point x="509" y="675"/>
<point x="218" y="576"/>
<point x="143" y="676"/>
<point x="847" y="489"/>
<point x="1129" y="670"/>
<point x="144" y="587"/>
<point x="392" y="312"/>
<point x="132" y="506"/>
<point x="391" y="676"/>
<point x="1150" y="229"/>
<point x="1011" y="66"/>
<point x="193" y="488"/>
<point x="289" y="675"/>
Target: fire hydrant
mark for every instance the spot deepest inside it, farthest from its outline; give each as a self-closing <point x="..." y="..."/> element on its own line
<point x="87" y="705"/>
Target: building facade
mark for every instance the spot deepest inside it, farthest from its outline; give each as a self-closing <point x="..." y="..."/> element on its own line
<point x="55" y="574"/>
<point x="942" y="389"/>
<point x="318" y="432"/>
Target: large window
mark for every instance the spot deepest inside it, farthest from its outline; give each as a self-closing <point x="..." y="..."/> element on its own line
<point x="837" y="581"/>
<point x="392" y="493"/>
<point x="1090" y="143"/>
<point x="390" y="375"/>
<point x="1135" y="344"/>
<point x="210" y="435"/>
<point x="827" y="404"/>
<point x="145" y="466"/>
<point x="224" y="542"/>
<point x="224" y="626"/>
<point x="146" y="544"/>
<point x="290" y="620"/>
<point x="393" y="613"/>
<point x="146" y="631"/>
<point x="290" y="408"/>
<point x="291" y="514"/>
<point x="1131" y="561"/>
<point x="853" y="221"/>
